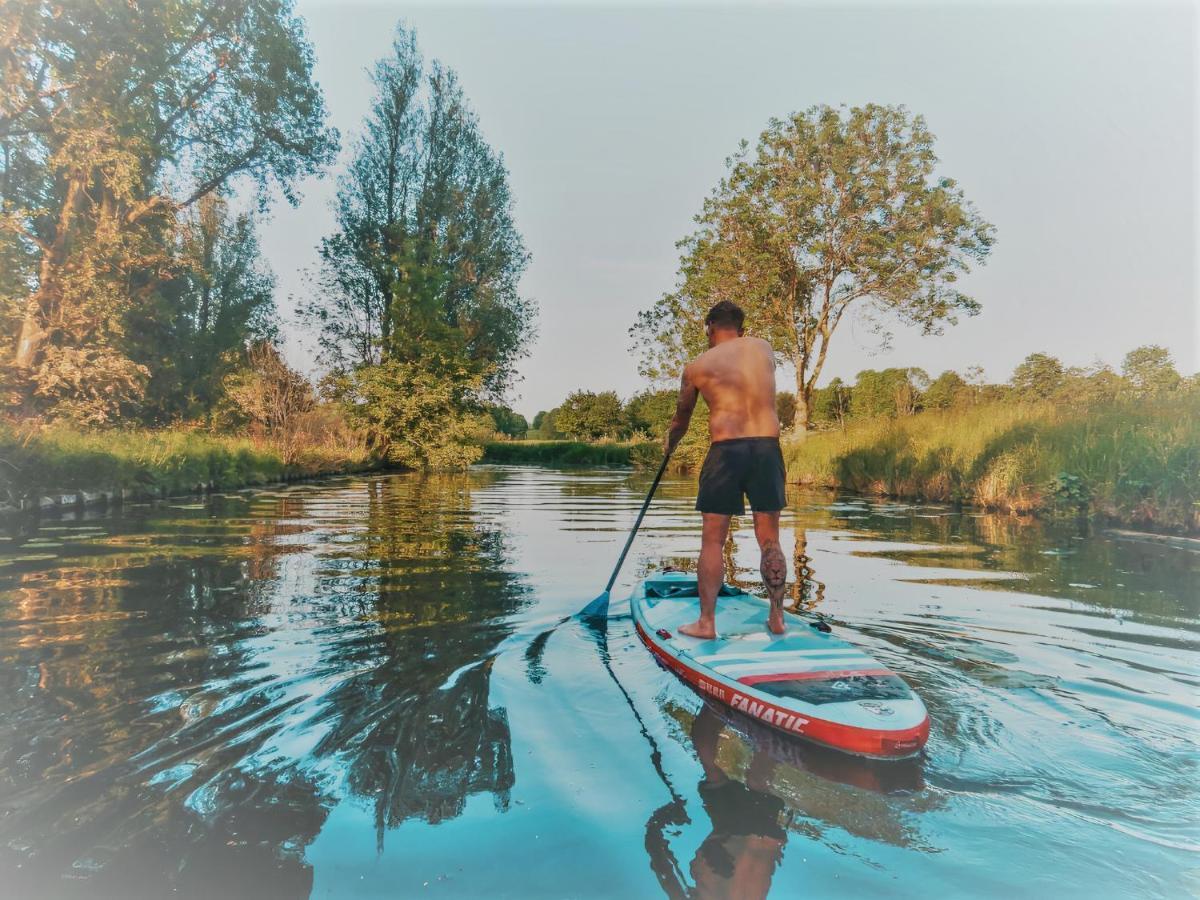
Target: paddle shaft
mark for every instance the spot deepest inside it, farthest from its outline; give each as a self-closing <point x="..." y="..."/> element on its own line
<point x="638" y="524"/>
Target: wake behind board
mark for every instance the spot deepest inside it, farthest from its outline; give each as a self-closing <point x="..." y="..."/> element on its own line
<point x="807" y="683"/>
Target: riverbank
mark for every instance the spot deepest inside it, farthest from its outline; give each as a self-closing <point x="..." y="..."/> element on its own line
<point x="551" y="453"/>
<point x="1133" y="463"/>
<point x="63" y="466"/>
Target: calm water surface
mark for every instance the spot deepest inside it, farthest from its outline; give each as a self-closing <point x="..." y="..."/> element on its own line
<point x="350" y="689"/>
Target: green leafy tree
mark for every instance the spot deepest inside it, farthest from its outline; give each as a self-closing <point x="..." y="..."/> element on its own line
<point x="508" y="422"/>
<point x="831" y="404"/>
<point x="221" y="302"/>
<point x="115" y="117"/>
<point x="588" y="416"/>
<point x="426" y="257"/>
<point x="545" y="427"/>
<point x="887" y="392"/>
<point x="1095" y="385"/>
<point x="416" y="415"/>
<point x="1150" y="370"/>
<point x="947" y="390"/>
<point x="650" y="411"/>
<point x="832" y="211"/>
<point x="785" y="409"/>
<point x="1037" y="377"/>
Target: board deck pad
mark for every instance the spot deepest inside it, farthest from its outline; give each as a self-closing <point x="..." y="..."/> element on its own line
<point x="807" y="682"/>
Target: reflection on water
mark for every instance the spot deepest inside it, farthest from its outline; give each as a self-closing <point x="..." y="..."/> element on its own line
<point x="354" y="688"/>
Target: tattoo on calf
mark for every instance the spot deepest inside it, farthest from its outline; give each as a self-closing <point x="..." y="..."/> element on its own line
<point x="774" y="571"/>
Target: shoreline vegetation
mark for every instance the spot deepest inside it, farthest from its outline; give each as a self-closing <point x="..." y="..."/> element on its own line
<point x="64" y="467"/>
<point x="1133" y="463"/>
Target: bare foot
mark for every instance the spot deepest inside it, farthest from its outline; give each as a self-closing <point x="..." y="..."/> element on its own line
<point x="775" y="623"/>
<point x="699" y="629"/>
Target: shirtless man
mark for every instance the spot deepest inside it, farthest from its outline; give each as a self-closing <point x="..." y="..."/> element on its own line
<point x="736" y="377"/>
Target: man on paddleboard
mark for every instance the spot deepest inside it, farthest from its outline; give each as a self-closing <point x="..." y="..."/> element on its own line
<point x="736" y="377"/>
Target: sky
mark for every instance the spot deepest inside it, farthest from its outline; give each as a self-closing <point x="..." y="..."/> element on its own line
<point x="1072" y="127"/>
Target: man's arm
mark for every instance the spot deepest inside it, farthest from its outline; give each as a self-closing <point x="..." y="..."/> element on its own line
<point x="683" y="412"/>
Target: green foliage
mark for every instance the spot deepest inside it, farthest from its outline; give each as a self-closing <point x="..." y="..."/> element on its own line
<point x="426" y="257"/>
<point x="785" y="409"/>
<point x="947" y="390"/>
<point x="544" y="428"/>
<point x="44" y="460"/>
<point x="832" y="210"/>
<point x="221" y="300"/>
<point x="831" y="404"/>
<point x="508" y="422"/>
<point x="588" y="416"/>
<point x="1150" y="371"/>
<point x="552" y="453"/>
<point x="416" y="415"/>
<point x="889" y="392"/>
<point x="115" y="118"/>
<point x="1037" y="377"/>
<point x="649" y="412"/>
<point x="1132" y="462"/>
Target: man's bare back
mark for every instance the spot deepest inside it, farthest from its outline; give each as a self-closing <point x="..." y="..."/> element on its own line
<point x="736" y="377"/>
<point x="737" y="381"/>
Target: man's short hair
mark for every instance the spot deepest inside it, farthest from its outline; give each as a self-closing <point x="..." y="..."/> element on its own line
<point x="726" y="314"/>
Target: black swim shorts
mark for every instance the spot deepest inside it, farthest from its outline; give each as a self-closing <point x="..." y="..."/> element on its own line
<point x="743" y="467"/>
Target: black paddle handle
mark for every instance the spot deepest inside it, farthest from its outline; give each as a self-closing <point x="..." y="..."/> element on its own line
<point x="638" y="524"/>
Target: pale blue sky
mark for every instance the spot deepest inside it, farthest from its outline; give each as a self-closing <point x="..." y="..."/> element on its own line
<point x="1072" y="127"/>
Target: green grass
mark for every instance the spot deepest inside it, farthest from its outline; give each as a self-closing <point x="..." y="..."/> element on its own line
<point x="558" y="453"/>
<point x="1132" y="462"/>
<point x="36" y="461"/>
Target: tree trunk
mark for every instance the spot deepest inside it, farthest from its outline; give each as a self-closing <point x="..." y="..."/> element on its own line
<point x="803" y="405"/>
<point x="29" y="343"/>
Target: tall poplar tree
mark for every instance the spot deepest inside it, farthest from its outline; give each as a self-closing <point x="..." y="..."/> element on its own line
<point x="426" y="258"/>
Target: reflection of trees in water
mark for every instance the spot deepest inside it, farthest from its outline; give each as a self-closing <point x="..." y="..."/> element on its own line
<point x="144" y="686"/>
<point x="124" y="723"/>
<point x="807" y="592"/>
<point x="416" y="741"/>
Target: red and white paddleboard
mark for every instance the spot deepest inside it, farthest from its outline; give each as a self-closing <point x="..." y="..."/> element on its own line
<point x="806" y="683"/>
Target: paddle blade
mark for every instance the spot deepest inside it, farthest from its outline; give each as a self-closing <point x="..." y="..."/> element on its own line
<point x="597" y="608"/>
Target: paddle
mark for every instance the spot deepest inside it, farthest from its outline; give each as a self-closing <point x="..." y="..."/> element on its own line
<point x="599" y="606"/>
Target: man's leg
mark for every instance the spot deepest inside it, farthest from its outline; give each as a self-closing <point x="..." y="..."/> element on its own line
<point x="710" y="573"/>
<point x="774" y="566"/>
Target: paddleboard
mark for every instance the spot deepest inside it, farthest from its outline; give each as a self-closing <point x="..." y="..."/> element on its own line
<point x="808" y="683"/>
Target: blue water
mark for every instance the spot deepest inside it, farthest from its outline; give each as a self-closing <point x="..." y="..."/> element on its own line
<point x="355" y="688"/>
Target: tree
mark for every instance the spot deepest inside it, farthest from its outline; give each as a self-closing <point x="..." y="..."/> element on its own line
<point x="544" y="425"/>
<point x="426" y="257"/>
<point x="114" y="117"/>
<point x="266" y="392"/>
<point x="417" y="415"/>
<point x="221" y="302"/>
<point x="588" y="416"/>
<point x="1150" y="370"/>
<point x="785" y="409"/>
<point x="832" y="402"/>
<point x="887" y="392"/>
<point x="832" y="211"/>
<point x="508" y="422"/>
<point x="1037" y="377"/>
<point x="947" y="390"/>
<point x="649" y="412"/>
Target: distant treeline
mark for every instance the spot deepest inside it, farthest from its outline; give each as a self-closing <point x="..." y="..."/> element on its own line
<point x="875" y="393"/>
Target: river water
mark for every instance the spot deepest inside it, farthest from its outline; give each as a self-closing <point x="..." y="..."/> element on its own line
<point x="352" y="688"/>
